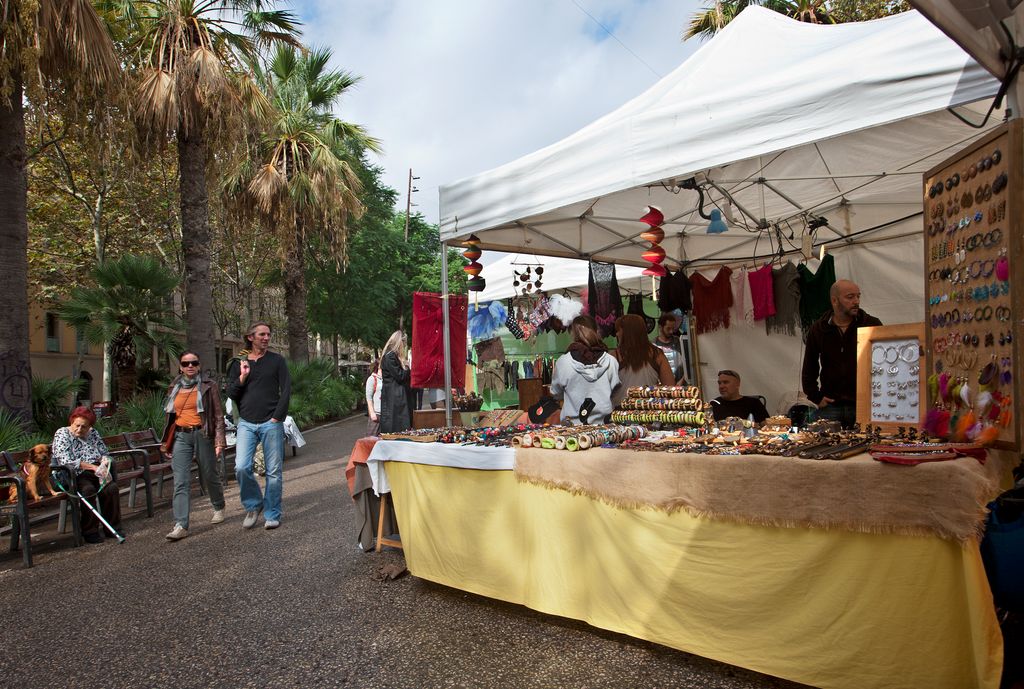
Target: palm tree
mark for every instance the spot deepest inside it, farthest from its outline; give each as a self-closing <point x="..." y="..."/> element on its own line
<point x="713" y="18"/>
<point x="129" y="308"/>
<point x="303" y="181"/>
<point x="194" y="81"/>
<point x="40" y="43"/>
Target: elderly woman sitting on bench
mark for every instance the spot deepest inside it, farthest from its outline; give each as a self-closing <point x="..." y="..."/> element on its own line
<point x="78" y="446"/>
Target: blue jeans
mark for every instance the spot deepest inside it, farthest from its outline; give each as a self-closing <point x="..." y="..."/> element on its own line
<point x="271" y="434"/>
<point x="186" y="445"/>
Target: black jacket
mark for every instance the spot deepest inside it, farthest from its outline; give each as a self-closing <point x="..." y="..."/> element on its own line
<point x="833" y="355"/>
<point x="394" y="396"/>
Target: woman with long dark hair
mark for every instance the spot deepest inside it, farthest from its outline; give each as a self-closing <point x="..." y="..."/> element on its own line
<point x="640" y="362"/>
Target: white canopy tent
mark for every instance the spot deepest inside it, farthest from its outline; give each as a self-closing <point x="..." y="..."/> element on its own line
<point x="798" y="132"/>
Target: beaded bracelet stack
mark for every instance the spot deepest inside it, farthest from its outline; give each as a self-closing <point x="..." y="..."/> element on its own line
<point x="574" y="438"/>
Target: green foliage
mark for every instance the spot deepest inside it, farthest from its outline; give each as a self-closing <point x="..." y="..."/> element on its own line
<point x="711" y="19"/>
<point x="50" y="400"/>
<point x="319" y="392"/>
<point x="14" y="436"/>
<point x="365" y="302"/>
<point x="137" y="414"/>
<point x="145" y="411"/>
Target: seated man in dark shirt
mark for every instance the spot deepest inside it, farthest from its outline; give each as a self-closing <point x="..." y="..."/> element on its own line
<point x="731" y="403"/>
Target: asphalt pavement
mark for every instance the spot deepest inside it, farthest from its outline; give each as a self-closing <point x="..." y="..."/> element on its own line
<point x="299" y="606"/>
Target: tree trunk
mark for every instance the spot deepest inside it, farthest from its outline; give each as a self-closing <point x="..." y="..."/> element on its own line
<point x="15" y="364"/>
<point x="295" y="300"/>
<point x="127" y="379"/>
<point x="195" y="244"/>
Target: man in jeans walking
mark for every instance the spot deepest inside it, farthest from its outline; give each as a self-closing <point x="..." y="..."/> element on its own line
<point x="260" y="385"/>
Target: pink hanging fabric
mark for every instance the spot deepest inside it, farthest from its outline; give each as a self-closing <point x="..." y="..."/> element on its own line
<point x="761" y="292"/>
<point x="428" y="340"/>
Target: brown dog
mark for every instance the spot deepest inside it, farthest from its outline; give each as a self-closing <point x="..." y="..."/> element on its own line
<point x="37" y="474"/>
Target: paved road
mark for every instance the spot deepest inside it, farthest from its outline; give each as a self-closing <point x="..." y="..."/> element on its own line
<point x="301" y="606"/>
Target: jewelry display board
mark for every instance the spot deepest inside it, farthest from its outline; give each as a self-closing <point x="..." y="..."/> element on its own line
<point x="972" y="233"/>
<point x="890" y="387"/>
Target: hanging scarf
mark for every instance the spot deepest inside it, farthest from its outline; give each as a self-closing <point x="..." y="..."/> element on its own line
<point x="761" y="292"/>
<point x="814" y="290"/>
<point x="712" y="300"/>
<point x="786" y="288"/>
<point x="742" y="302"/>
<point x="603" y="298"/>
<point x="183" y="382"/>
<point x="674" y="292"/>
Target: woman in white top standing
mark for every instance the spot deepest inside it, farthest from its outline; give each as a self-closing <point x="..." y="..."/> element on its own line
<point x="374" y="384"/>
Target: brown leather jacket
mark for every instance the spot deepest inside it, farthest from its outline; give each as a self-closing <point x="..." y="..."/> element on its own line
<point x="212" y="415"/>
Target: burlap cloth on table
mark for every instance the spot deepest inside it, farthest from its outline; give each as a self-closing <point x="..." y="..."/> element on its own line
<point x="858" y="494"/>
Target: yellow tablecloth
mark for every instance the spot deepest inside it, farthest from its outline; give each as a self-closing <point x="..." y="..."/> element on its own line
<point x="828" y="608"/>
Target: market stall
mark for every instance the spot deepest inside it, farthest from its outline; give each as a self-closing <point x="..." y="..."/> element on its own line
<point x="856" y="573"/>
<point x="837" y="559"/>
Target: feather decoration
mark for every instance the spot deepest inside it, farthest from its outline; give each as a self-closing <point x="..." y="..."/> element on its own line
<point x="964" y="423"/>
<point x="933" y="387"/>
<point x="564" y="309"/>
<point x="484" y="322"/>
<point x="944" y="385"/>
<point x="965" y="394"/>
<point x="931" y="421"/>
<point x="987" y="436"/>
<point x="946" y="422"/>
<point x="983" y="402"/>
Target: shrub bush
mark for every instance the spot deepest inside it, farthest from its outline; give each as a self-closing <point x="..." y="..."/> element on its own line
<point x="319" y="392"/>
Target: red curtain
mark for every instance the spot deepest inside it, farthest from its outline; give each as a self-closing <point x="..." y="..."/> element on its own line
<point x="428" y="340"/>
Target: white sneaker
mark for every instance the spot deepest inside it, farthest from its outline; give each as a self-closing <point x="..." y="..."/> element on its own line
<point x="218" y="517"/>
<point x="250" y="519"/>
<point x="177" y="533"/>
<point x="271" y="524"/>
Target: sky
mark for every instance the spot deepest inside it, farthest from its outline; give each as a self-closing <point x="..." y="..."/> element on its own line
<point x="453" y="88"/>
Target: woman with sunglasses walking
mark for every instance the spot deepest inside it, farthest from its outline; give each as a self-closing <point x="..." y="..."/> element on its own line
<point x="195" y="428"/>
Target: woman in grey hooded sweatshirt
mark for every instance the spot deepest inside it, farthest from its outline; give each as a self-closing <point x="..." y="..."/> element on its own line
<point x="585" y="372"/>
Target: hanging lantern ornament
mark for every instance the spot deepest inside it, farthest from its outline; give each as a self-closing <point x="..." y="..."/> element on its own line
<point x="655" y="255"/>
<point x="473" y="268"/>
<point x="528" y="280"/>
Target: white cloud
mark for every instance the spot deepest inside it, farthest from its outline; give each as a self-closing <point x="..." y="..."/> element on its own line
<point x="455" y="87"/>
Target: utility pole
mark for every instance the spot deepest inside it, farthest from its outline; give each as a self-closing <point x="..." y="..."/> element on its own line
<point x="408" y="203"/>
<point x="408" y="209"/>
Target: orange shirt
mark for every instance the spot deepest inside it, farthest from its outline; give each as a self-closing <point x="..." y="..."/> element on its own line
<point x="185" y="407"/>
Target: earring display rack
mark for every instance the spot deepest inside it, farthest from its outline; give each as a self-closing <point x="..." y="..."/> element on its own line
<point x="972" y="245"/>
<point x="890" y="384"/>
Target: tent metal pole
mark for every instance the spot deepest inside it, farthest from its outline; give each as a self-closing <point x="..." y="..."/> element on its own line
<point x="446" y="330"/>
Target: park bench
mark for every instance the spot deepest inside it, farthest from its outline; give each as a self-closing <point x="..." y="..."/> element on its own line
<point x="19" y="511"/>
<point x="131" y="465"/>
<point x="149" y="442"/>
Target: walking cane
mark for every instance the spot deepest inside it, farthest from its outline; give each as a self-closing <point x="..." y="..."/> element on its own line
<point x="60" y="475"/>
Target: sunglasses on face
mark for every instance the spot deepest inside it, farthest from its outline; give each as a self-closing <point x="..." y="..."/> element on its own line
<point x="190" y="363"/>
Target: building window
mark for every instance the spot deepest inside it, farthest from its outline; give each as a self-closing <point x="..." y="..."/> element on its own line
<point x="52" y="333"/>
<point x="81" y="345"/>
